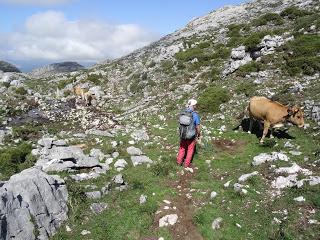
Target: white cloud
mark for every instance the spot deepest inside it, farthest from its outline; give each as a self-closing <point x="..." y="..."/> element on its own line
<point x="50" y="36"/>
<point x="35" y="2"/>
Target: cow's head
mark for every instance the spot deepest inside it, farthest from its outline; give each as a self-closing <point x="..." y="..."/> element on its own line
<point x="295" y="116"/>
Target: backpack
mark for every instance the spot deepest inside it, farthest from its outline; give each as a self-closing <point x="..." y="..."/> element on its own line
<point x="187" y="129"/>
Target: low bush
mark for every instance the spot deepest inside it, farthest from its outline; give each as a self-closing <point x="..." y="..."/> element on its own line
<point x="267" y="18"/>
<point x="248" y="68"/>
<point x="21" y="91"/>
<point x="306" y="22"/>
<point x="14" y="159"/>
<point x="248" y="88"/>
<point x="293" y="12"/>
<point x="211" y="98"/>
<point x="94" y="78"/>
<point x="63" y="83"/>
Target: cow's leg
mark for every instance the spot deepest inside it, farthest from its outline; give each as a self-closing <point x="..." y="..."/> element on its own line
<point x="265" y="130"/>
<point x="250" y="125"/>
<point x="271" y="132"/>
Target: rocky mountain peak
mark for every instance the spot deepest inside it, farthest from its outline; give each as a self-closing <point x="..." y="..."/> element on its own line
<point x="8" y="67"/>
<point x="54" y="68"/>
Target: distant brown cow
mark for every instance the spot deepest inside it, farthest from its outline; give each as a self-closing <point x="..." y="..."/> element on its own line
<point x="84" y="94"/>
<point x="273" y="114"/>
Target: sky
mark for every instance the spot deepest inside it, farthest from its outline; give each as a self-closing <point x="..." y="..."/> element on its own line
<point x="39" y="32"/>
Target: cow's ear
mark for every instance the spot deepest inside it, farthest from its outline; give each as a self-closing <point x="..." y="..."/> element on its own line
<point x="290" y="112"/>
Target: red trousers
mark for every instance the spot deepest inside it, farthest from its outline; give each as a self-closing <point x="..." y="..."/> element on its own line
<point x="189" y="147"/>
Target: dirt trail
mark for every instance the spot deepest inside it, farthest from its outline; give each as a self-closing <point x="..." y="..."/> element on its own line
<point x="183" y="206"/>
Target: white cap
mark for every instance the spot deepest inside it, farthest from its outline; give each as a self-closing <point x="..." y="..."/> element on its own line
<point x="192" y="102"/>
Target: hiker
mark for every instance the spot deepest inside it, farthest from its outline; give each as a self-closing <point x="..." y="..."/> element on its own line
<point x="189" y="133"/>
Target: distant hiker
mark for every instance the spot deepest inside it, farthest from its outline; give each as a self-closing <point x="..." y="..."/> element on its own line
<point x="189" y="133"/>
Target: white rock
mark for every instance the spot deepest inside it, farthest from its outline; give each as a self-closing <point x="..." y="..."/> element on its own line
<point x="295" y="168"/>
<point x="265" y="157"/>
<point x="143" y="199"/>
<point x="133" y="151"/>
<point x="300" y="199"/>
<point x="68" y="229"/>
<point x="227" y="184"/>
<point x="85" y="232"/>
<point x="167" y="220"/>
<point x="167" y="202"/>
<point x="213" y="194"/>
<point x="189" y="169"/>
<point x="216" y="224"/>
<point x="245" y="177"/>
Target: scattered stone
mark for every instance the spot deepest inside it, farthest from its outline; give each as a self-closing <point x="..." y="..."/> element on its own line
<point x="68" y="229"/>
<point x="85" y="232"/>
<point x="189" y="169"/>
<point x="143" y="199"/>
<point x="213" y="195"/>
<point x="167" y="202"/>
<point x="140" y="135"/>
<point x="300" y="199"/>
<point x="120" y="164"/>
<point x="288" y="145"/>
<point x="216" y="224"/>
<point x="265" y="157"/>
<point x="138" y="160"/>
<point x="99" y="133"/>
<point x="115" y="154"/>
<point x="98" y="207"/>
<point x="93" y="194"/>
<point x="295" y="168"/>
<point x="118" y="179"/>
<point x="238" y="225"/>
<point x="167" y="220"/>
<point x="227" y="184"/>
<point x="245" y="177"/>
<point x="295" y="153"/>
<point x="133" y="151"/>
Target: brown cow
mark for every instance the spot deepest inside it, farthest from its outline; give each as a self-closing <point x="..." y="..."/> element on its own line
<point x="84" y="94"/>
<point x="273" y="114"/>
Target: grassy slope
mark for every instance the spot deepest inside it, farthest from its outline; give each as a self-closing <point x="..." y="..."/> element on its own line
<point x="126" y="219"/>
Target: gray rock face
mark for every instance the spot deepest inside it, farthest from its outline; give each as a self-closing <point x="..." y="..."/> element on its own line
<point x="269" y="43"/>
<point x="8" y="67"/>
<point x="55" y="156"/>
<point x="32" y="201"/>
<point x="238" y="53"/>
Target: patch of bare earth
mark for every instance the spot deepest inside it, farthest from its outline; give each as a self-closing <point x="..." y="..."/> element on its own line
<point x="230" y="146"/>
<point x="183" y="206"/>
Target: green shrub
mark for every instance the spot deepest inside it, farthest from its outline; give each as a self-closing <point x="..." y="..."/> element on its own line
<point x="26" y="132"/>
<point x="305" y="65"/>
<point x="12" y="159"/>
<point x="94" y="78"/>
<point x="293" y="12"/>
<point x="21" y="91"/>
<point x="211" y="98"/>
<point x="248" y="68"/>
<point x="269" y="17"/>
<point x="63" y="83"/>
<point x="151" y="64"/>
<point x="6" y="84"/>
<point x="189" y="54"/>
<point x="248" y="88"/>
<point x="204" y="45"/>
<point x="306" y="22"/>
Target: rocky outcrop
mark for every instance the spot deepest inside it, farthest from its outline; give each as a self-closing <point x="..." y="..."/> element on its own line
<point x="8" y="67"/>
<point x="63" y="67"/>
<point x="54" y="155"/>
<point x="32" y="206"/>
